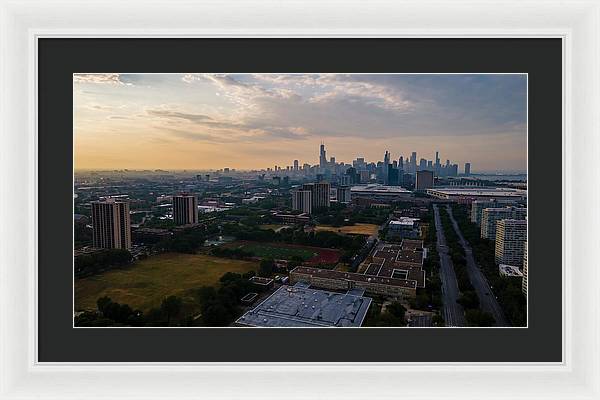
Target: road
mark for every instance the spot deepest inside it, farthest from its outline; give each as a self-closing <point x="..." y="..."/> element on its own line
<point x="453" y="312"/>
<point x="487" y="300"/>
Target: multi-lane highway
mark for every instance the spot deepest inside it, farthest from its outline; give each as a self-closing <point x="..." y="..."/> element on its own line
<point x="453" y="312"/>
<point x="487" y="300"/>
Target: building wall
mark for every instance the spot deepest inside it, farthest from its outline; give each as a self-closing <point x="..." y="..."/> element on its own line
<point x="524" y="283"/>
<point x="343" y="194"/>
<point x="302" y="201"/>
<point x="424" y="180"/>
<point x="510" y="240"/>
<point x="342" y="284"/>
<point x="185" y="210"/>
<point x="111" y="224"/>
<point x="490" y="217"/>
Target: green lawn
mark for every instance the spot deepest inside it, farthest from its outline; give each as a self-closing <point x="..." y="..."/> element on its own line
<point x="276" y="251"/>
<point x="145" y="284"/>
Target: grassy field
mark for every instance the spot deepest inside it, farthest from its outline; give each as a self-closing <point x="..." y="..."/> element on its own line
<point x="148" y="282"/>
<point x="275" y="251"/>
<point x="356" y="229"/>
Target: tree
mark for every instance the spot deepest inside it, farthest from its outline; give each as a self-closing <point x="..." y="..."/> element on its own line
<point x="479" y="318"/>
<point x="397" y="310"/>
<point x="102" y="302"/>
<point x="469" y="300"/>
<point x="171" y="307"/>
<point x="266" y="267"/>
<point x="437" y="320"/>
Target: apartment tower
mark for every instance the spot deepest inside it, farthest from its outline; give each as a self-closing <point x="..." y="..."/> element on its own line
<point x="111" y="224"/>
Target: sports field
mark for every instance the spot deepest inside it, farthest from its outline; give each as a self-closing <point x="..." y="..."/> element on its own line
<point x="356" y="229"/>
<point x="145" y="284"/>
<point x="278" y="251"/>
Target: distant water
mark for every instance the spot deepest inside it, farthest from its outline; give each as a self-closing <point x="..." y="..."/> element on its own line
<point x="502" y="177"/>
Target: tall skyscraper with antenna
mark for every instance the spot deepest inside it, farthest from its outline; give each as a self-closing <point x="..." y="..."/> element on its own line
<point x="322" y="156"/>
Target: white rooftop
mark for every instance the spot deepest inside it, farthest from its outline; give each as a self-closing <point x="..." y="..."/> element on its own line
<point x="301" y="306"/>
<point x="378" y="188"/>
<point x="509" y="270"/>
<point x="480" y="191"/>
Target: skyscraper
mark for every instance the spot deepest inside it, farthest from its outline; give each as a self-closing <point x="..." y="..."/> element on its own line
<point x="511" y="235"/>
<point x="413" y="162"/>
<point x="111" y="224"/>
<point x="185" y="209"/>
<point x="295" y="165"/>
<point x="467" y="169"/>
<point x="386" y="162"/>
<point x="392" y="176"/>
<point x="322" y="157"/>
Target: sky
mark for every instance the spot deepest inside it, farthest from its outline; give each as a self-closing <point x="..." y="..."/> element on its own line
<point x="255" y="121"/>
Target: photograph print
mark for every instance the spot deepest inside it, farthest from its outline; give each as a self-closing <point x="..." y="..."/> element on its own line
<point x="277" y="200"/>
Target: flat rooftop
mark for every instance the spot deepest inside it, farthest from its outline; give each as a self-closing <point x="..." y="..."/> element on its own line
<point x="398" y="262"/>
<point x="412" y="244"/>
<point x="481" y="191"/>
<point x="303" y="307"/>
<point x="376" y="188"/>
<point x="509" y="270"/>
<point x="352" y="276"/>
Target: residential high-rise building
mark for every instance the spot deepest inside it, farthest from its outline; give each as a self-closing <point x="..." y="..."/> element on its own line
<point x="302" y="201"/>
<point x="424" y="180"/>
<point x="111" y="224"/>
<point x="491" y="216"/>
<point x="511" y="235"/>
<point x="185" y="209"/>
<point x="320" y="193"/>
<point x="524" y="282"/>
<point x="467" y="169"/>
<point x="343" y="194"/>
<point x="478" y="206"/>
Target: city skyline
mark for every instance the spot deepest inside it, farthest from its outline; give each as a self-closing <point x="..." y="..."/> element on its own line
<point x="256" y="121"/>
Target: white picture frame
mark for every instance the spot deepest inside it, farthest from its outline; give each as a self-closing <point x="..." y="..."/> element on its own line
<point x="577" y="22"/>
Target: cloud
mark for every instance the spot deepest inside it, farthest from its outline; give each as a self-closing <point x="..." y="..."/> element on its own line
<point x="109" y="79"/>
<point x="178" y="115"/>
<point x="219" y="129"/>
<point x="99" y="107"/>
<point x="281" y="110"/>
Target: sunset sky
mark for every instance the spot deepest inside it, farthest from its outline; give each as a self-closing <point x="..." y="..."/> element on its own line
<point x="254" y="121"/>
